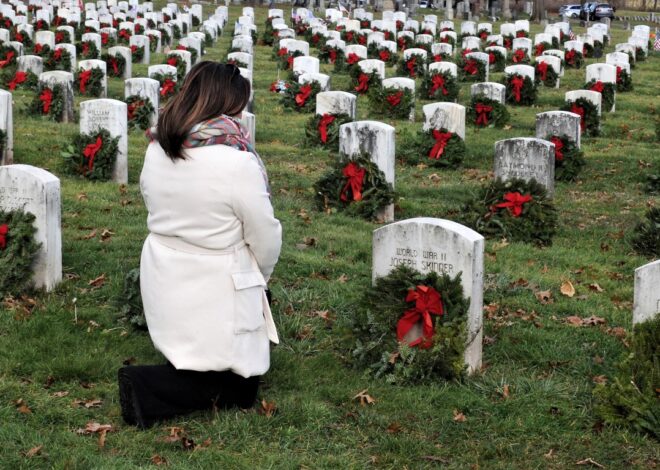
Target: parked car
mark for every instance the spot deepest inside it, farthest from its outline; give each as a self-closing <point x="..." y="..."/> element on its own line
<point x="571" y="11"/>
<point x="586" y="11"/>
<point x="603" y="10"/>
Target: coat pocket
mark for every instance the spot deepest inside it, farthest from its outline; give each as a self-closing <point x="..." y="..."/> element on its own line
<point x="248" y="306"/>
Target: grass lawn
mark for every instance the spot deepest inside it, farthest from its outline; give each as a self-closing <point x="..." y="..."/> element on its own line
<point x="530" y="407"/>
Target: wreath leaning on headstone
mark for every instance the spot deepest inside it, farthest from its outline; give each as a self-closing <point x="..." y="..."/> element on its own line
<point x="48" y="101"/>
<point x="391" y="102"/>
<point x="140" y="110"/>
<point x="62" y="36"/>
<point x="115" y="64"/>
<point x="513" y="209"/>
<point x="301" y="97"/>
<point x="18" y="250"/>
<point x="414" y="66"/>
<point x="137" y="53"/>
<point x="606" y="90"/>
<point x="588" y="112"/>
<point x="646" y="235"/>
<point x="107" y="40"/>
<point x="12" y="79"/>
<point x="569" y="159"/>
<point x="355" y="186"/>
<point x="330" y="55"/>
<point x="362" y="82"/>
<point x="87" y="50"/>
<point x="435" y="147"/>
<point x="573" y="59"/>
<point x="92" y="155"/>
<point x="90" y="82"/>
<point x="59" y="59"/>
<point x="175" y="60"/>
<point x="285" y="57"/>
<point x="520" y="90"/>
<point x="623" y="80"/>
<point x="496" y="60"/>
<point x="323" y="130"/>
<point x="471" y="69"/>
<point x="165" y="38"/>
<point x="485" y="112"/>
<point x="387" y="319"/>
<point x="130" y="301"/>
<point x="169" y="85"/>
<point x="546" y="74"/>
<point x="8" y="56"/>
<point x="439" y="86"/>
<point x="42" y="50"/>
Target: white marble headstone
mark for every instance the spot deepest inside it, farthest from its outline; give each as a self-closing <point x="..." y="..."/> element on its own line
<point x="646" y="305"/>
<point x="449" y="116"/>
<point x="558" y="123"/>
<point x="526" y="158"/>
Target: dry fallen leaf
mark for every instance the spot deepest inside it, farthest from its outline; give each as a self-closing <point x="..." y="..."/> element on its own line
<point x="158" y="460"/>
<point x="81" y="196"/>
<point x="595" y="287"/>
<point x="394" y="428"/>
<point x="90" y="235"/>
<point x="550" y="454"/>
<point x="95" y="403"/>
<point x="22" y="407"/>
<point x="544" y="296"/>
<point x="567" y="289"/>
<point x="106" y="234"/>
<point x="60" y="394"/>
<point x="97" y="282"/>
<point x="459" y="417"/>
<point x="599" y="379"/>
<point x="593" y="321"/>
<point x="343" y="278"/>
<point x="93" y="427"/>
<point x="364" y="398"/>
<point x="589" y="461"/>
<point x="505" y="391"/>
<point x="267" y="409"/>
<point x="34" y="451"/>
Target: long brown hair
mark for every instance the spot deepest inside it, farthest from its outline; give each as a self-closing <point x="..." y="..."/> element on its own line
<point x="209" y="90"/>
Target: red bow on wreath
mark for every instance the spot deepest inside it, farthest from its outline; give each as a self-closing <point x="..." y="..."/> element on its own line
<point x="539" y="49"/>
<point x="85" y="48"/>
<point x="301" y="98"/>
<point x="19" y="78"/>
<point x="570" y="56"/>
<point x="598" y="86"/>
<point x="282" y="52"/>
<point x="410" y="65"/>
<point x="579" y="110"/>
<point x="401" y="42"/>
<point x="332" y="54"/>
<point x="444" y="39"/>
<point x="438" y="82"/>
<point x="167" y="88"/>
<point x="58" y="54"/>
<point x="363" y="83"/>
<point x="8" y="58"/>
<point x="19" y="37"/>
<point x="384" y="56"/>
<point x="517" y="84"/>
<point x="395" y="98"/>
<point x="85" y="76"/>
<point x="559" y="145"/>
<point x="349" y="36"/>
<point x="438" y="58"/>
<point x="114" y="63"/>
<point x="441" y="139"/>
<point x="124" y="33"/>
<point x="466" y="52"/>
<point x="470" y="67"/>
<point x="59" y="37"/>
<point x="518" y="56"/>
<point x="618" y="74"/>
<point x="483" y="35"/>
<point x="134" y="49"/>
<point x="289" y="61"/>
<point x="355" y="179"/>
<point x="520" y="34"/>
<point x="514" y="203"/>
<point x="483" y="111"/>
<point x="542" y="69"/>
<point x="324" y="122"/>
<point x="46" y="98"/>
<point x="105" y="37"/>
<point x="172" y="61"/>
<point x="491" y="58"/>
<point x="427" y="302"/>
<point x="90" y="152"/>
<point x="4" y="229"/>
<point x="362" y="39"/>
<point x="133" y="107"/>
<point x="38" y="48"/>
<point x="352" y="58"/>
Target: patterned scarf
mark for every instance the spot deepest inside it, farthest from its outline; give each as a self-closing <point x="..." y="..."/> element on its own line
<point x="222" y="130"/>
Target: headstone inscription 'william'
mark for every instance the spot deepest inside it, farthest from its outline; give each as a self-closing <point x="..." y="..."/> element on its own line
<point x="446" y="247"/>
<point x="646" y="305"/>
<point x="527" y="159"/>
<point x="37" y="191"/>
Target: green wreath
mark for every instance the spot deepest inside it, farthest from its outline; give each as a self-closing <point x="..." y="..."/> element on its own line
<point x="414" y="66"/>
<point x="485" y="112"/>
<point x="23" y="38"/>
<point x="124" y="36"/>
<point x="331" y="55"/>
<point x="18" y="250"/>
<point x="94" y="86"/>
<point x="527" y="92"/>
<point x="607" y="95"/>
<point x="573" y="59"/>
<point x="140" y="110"/>
<point x="178" y="62"/>
<point x="3" y="142"/>
<point x="507" y="41"/>
<point x="208" y="39"/>
<point x="314" y="39"/>
<point x="646" y="235"/>
<point x="374" y="326"/>
<point x="301" y="97"/>
<point x="391" y="102"/>
<point x="87" y="50"/>
<point x="313" y="132"/>
<point x="587" y="50"/>
<point x="496" y="60"/>
<point x="404" y="42"/>
<point x="623" y="80"/>
<point x="569" y="159"/>
<point x="9" y="78"/>
<point x="590" y="120"/>
<point x="268" y="37"/>
<point x="59" y="59"/>
<point x="520" y="57"/>
<point x="357" y="86"/>
<point x="598" y="48"/>
<point x="137" y="53"/>
<point x="383" y="54"/>
<point x="377" y="193"/>
<point x="153" y="43"/>
<point x="55" y="109"/>
<point x="115" y="64"/>
<point x="107" y="40"/>
<point x="165" y="38"/>
<point x="8" y="56"/>
<point x="536" y="224"/>
<point x="165" y="94"/>
<point x="42" y="50"/>
<point x="99" y="165"/>
<point x="41" y="25"/>
<point x="237" y="63"/>
<point x="540" y="47"/>
<point x="176" y="32"/>
<point x="471" y="69"/>
<point x="285" y="58"/>
<point x="184" y="28"/>
<point x="418" y="147"/>
<point x="62" y="36"/>
<point x="423" y="45"/>
<point x="342" y="65"/>
<point x="551" y="76"/>
<point x="195" y="21"/>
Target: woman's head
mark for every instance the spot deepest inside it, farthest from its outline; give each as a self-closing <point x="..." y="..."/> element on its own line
<point x="209" y="90"/>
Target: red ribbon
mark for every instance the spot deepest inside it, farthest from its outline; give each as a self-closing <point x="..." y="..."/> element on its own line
<point x="8" y="58"/>
<point x="85" y="75"/>
<point x="427" y="302"/>
<point x="539" y="49"/>
<point x="114" y="63"/>
<point x="167" y="88"/>
<point x="363" y="83"/>
<point x="518" y="55"/>
<point x="410" y="65"/>
<point x="618" y="74"/>
<point x="401" y="43"/>
<point x="514" y="203"/>
<point x="124" y="33"/>
<point x="181" y="47"/>
<point x="4" y="229"/>
<point x="517" y="84"/>
<point x="559" y="145"/>
<point x="303" y="95"/>
<point x="444" y="39"/>
<point x="579" y="110"/>
<point x="19" y="37"/>
<point x="491" y="58"/>
<point x="355" y="176"/>
<point x="438" y="58"/>
<point x="324" y="122"/>
<point x="470" y="67"/>
<point x="333" y="55"/>
<point x="289" y="61"/>
<point x="172" y="61"/>
<point x="352" y="58"/>
<point x="570" y="57"/>
<point x="466" y="52"/>
<point x="441" y="139"/>
<point x="483" y="111"/>
<point x="598" y="86"/>
<point x="58" y="54"/>
<point x="133" y="107"/>
<point x="395" y="98"/>
<point x="105" y="37"/>
<point x="507" y="43"/>
<point x="542" y="69"/>
<point x="38" y="48"/>
<point x="282" y="51"/>
<point x="437" y="82"/>
<point x="59" y="37"/>
<point x="349" y="36"/>
<point x="483" y="35"/>
<point x="19" y="78"/>
<point x="520" y="34"/>
<point x="384" y="55"/>
<point x="46" y="98"/>
<point x="90" y="152"/>
<point x="85" y="48"/>
<point x="362" y="39"/>
<point x="387" y="35"/>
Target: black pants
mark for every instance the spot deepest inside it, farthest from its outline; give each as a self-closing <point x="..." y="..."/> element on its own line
<point x="149" y="394"/>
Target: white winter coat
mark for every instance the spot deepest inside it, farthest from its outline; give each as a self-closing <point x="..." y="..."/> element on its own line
<point x="213" y="244"/>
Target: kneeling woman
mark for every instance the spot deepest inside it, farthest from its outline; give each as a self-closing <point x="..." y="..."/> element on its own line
<point x="212" y="246"/>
